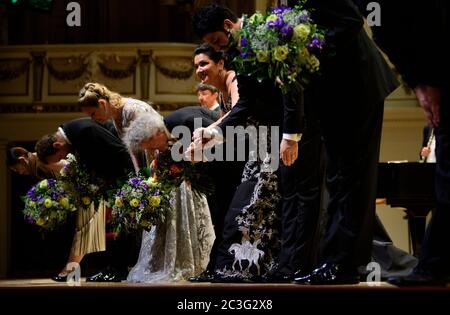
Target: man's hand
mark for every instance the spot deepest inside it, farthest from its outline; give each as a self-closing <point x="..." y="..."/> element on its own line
<point x="429" y="98"/>
<point x="425" y="152"/>
<point x="288" y="151"/>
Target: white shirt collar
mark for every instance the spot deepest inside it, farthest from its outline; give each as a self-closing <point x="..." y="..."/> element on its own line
<point x="63" y="134"/>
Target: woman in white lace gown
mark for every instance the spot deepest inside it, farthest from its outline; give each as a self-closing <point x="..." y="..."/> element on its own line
<point x="180" y="247"/>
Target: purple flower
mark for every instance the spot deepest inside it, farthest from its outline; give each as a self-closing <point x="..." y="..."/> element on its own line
<point x="287" y="32"/>
<point x="29" y="219"/>
<point x="245" y="55"/>
<point x="280" y="9"/>
<point x="31" y="192"/>
<point x="244" y="42"/>
<point x="316" y="44"/>
<point x="304" y="18"/>
<point x="278" y="23"/>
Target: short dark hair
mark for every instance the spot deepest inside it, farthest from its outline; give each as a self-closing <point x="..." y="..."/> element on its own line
<point x="207" y="87"/>
<point x="44" y="147"/>
<point x="208" y="50"/>
<point x="210" y="19"/>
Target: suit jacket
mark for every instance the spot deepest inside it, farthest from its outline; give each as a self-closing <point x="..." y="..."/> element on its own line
<point x="352" y="68"/>
<point x="185" y="117"/>
<point x="98" y="149"/>
<point x="265" y="103"/>
<point x="413" y="34"/>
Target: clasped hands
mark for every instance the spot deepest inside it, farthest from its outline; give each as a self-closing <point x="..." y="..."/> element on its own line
<point x="201" y="139"/>
<point x="206" y="137"/>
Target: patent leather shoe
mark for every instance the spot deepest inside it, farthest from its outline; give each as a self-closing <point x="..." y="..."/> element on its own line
<point x="205" y="276"/>
<point x="229" y="278"/>
<point x="299" y="273"/>
<point x="328" y="274"/>
<point x="59" y="278"/>
<point x="418" y="278"/>
<point x="276" y="277"/>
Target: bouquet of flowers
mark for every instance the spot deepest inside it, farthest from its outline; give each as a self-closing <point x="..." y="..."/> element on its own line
<point x="139" y="203"/>
<point x="81" y="184"/>
<point x="170" y="174"/>
<point x="282" y="46"/>
<point x="47" y="204"/>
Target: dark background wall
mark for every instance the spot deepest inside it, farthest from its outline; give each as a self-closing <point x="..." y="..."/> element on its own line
<point x="104" y="21"/>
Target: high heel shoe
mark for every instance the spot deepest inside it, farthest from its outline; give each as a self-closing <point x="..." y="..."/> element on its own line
<point x="59" y="278"/>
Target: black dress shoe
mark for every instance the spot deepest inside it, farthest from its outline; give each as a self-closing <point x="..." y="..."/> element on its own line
<point x="229" y="278"/>
<point x="205" y="276"/>
<point x="59" y="278"/>
<point x="418" y="279"/>
<point x="277" y="277"/>
<point x="96" y="278"/>
<point x="299" y="273"/>
<point x="330" y="273"/>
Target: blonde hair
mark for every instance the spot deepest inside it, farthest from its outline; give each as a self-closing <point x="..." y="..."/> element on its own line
<point x="92" y="92"/>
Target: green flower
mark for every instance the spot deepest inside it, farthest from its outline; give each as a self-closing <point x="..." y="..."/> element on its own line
<point x="40" y="222"/>
<point x="64" y="202"/>
<point x="281" y="52"/>
<point x="154" y="201"/>
<point x="48" y="203"/>
<point x="151" y="182"/>
<point x="256" y="18"/>
<point x="302" y="31"/>
<point x="314" y="63"/>
<point x="43" y="184"/>
<point x="271" y="18"/>
<point x="118" y="202"/>
<point x="262" y="56"/>
<point x="134" y="202"/>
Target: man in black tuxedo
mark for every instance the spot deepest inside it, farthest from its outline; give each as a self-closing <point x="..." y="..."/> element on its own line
<point x="348" y="99"/>
<point x="103" y="154"/>
<point x="404" y="34"/>
<point x="100" y="151"/>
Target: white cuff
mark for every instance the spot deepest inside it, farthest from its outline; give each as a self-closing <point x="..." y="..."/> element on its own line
<point x="292" y="136"/>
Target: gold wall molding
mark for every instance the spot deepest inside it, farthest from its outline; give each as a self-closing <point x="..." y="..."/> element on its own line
<point x="50" y="76"/>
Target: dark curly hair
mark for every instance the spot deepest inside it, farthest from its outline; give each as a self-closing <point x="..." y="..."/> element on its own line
<point x="210" y="19"/>
<point x="44" y="147"/>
